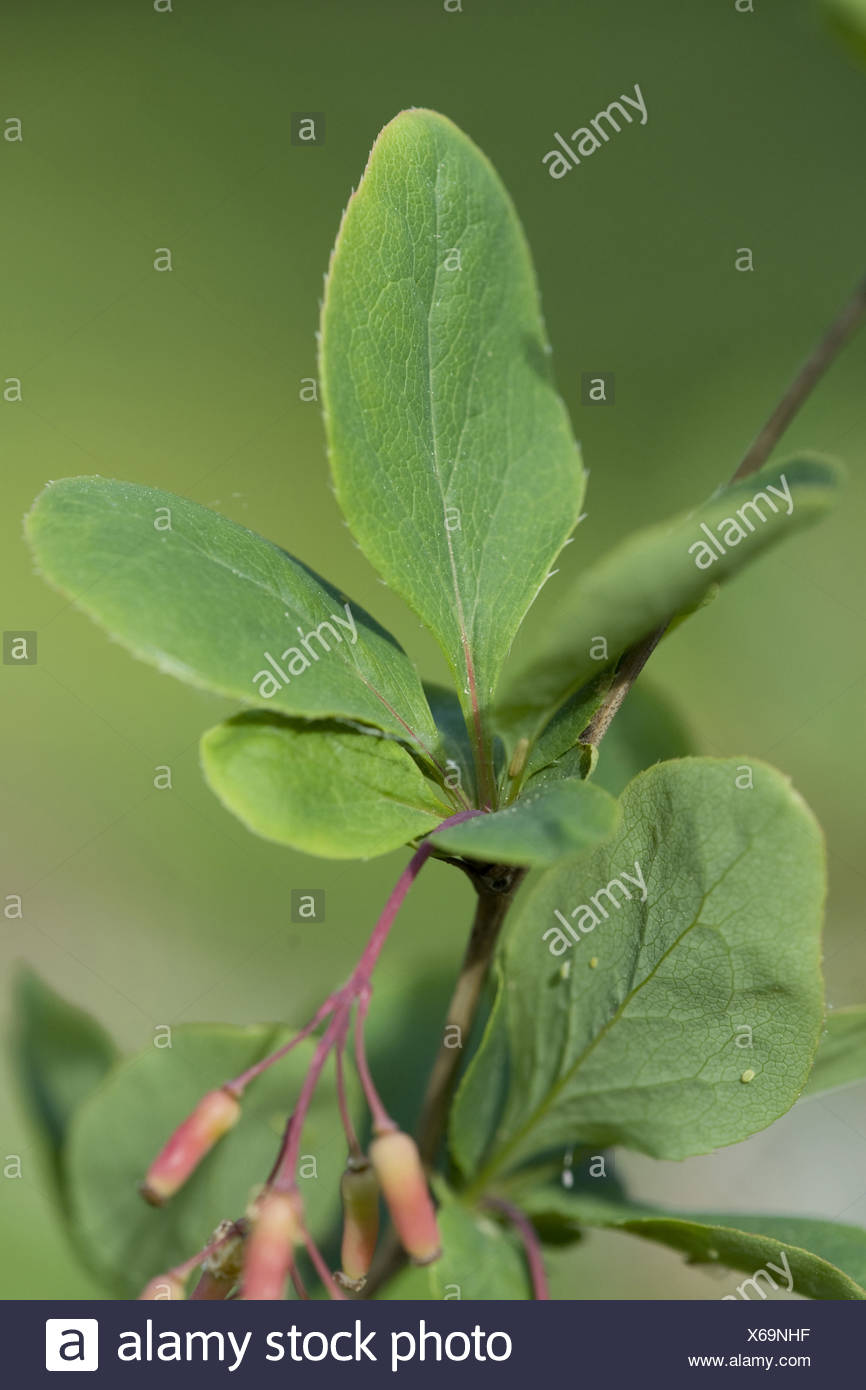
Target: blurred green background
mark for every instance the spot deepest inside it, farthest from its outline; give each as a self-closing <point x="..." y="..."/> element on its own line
<point x="146" y="130"/>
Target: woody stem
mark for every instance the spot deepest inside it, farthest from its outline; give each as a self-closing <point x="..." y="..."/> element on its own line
<point x="798" y="392"/>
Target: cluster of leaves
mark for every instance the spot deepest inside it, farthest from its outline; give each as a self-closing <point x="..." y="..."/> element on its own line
<point x="455" y="466"/>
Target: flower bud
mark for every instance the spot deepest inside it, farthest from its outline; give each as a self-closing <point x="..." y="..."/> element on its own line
<point x="213" y="1117"/>
<point x="359" y="1189"/>
<point x="276" y="1229"/>
<point x="398" y="1167"/>
<point x="163" y="1287"/>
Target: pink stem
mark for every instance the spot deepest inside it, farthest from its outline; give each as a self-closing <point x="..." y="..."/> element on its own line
<point x="379" y="935"/>
<point x="321" y="1268"/>
<point x="284" y="1179"/>
<point x="381" y="1119"/>
<point x="239" y="1084"/>
<point x="297" y="1281"/>
<point x="531" y="1244"/>
<point x="365" y="966"/>
<point x="349" y="1128"/>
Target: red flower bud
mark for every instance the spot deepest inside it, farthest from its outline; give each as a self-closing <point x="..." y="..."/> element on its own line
<point x="277" y="1228"/>
<point x="359" y="1189"/>
<point x="213" y="1117"/>
<point x="398" y="1167"/>
<point x="163" y="1287"/>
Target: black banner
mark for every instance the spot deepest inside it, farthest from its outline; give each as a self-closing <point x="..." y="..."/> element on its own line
<point x="427" y="1344"/>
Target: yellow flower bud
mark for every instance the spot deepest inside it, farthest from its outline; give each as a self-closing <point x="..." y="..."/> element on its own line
<point x="277" y="1227"/>
<point x="398" y="1167"/>
<point x="359" y="1189"/>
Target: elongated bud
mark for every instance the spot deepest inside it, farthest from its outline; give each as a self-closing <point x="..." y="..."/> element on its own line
<point x="398" y="1167"/>
<point x="222" y="1269"/>
<point x="213" y="1117"/>
<point x="277" y="1228"/>
<point x="359" y="1188"/>
<point x="163" y="1287"/>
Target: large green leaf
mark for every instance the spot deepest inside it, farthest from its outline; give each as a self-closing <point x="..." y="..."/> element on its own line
<point x="322" y="788"/>
<point x="813" y="1258"/>
<point x="540" y="828"/>
<point x="656" y="573"/>
<point x="208" y="601"/>
<point x="60" y="1054"/>
<point x="125" y="1122"/>
<point x="841" y="1058"/>
<point x="479" y="1260"/>
<point x="451" y="451"/>
<point x="691" y="1017"/>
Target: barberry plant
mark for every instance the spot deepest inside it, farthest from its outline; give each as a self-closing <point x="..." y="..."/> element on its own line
<point x="692" y="1016"/>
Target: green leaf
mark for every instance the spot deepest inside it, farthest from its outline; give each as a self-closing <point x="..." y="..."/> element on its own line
<point x="60" y="1054"/>
<point x="841" y="1059"/>
<point x="479" y="1260"/>
<point x="540" y="828"/>
<point x="451" y="451"/>
<point x="322" y="788"/>
<point x="824" y="1260"/>
<point x="562" y="734"/>
<point x="455" y="745"/>
<point x="207" y="600"/>
<point x="654" y="574"/>
<point x="631" y="1037"/>
<point x="848" y="18"/>
<point x="123" y="1125"/>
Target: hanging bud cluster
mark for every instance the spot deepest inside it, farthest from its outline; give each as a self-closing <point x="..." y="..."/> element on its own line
<point x="277" y="1230"/>
<point x="213" y="1117"/>
<point x="359" y="1189"/>
<point x="398" y="1167"/>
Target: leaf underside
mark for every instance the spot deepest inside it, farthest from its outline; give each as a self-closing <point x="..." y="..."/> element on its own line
<point x="654" y="573"/>
<point x="540" y="828"/>
<point x="824" y="1260"/>
<point x="323" y="789"/>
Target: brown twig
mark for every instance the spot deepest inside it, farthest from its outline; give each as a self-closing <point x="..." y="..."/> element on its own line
<point x="840" y="330"/>
<point x="493" y="903"/>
